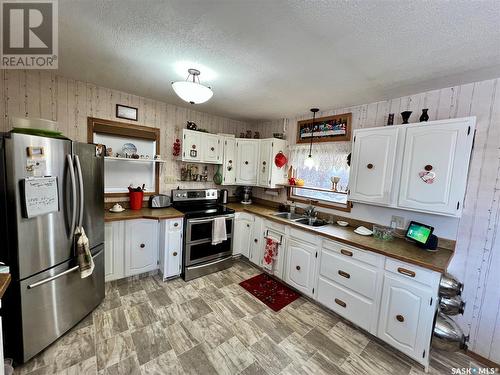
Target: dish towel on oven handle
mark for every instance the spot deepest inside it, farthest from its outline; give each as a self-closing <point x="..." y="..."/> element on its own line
<point x="83" y="253"/>
<point x="219" y="234"/>
<point x="270" y="254"/>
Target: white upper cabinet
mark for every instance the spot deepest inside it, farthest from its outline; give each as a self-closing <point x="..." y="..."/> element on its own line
<point x="191" y="145"/>
<point x="372" y="165"/>
<point x="269" y="175"/>
<point x="264" y="167"/>
<point x="435" y="166"/>
<point x="420" y="167"/>
<point x="229" y="161"/>
<point x="247" y="159"/>
<point x="211" y="149"/>
<point x="201" y="147"/>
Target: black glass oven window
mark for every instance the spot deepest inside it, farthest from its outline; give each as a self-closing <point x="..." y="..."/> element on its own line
<point x="206" y="249"/>
<point x="203" y="231"/>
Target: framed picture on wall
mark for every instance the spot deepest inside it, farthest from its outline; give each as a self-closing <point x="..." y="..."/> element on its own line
<point x="335" y="128"/>
<point x="126" y="112"/>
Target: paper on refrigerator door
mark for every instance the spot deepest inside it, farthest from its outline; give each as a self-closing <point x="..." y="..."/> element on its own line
<point x="41" y="196"/>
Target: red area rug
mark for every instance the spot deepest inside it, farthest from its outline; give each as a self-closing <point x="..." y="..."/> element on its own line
<point x="270" y="291"/>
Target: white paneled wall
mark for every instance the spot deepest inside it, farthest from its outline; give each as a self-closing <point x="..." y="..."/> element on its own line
<point x="477" y="255"/>
<point x="42" y="94"/>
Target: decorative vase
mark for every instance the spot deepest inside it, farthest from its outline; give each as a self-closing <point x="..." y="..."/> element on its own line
<point x="218" y="176"/>
<point x="424" y="116"/>
<point x="390" y="119"/>
<point x="406" y="116"/>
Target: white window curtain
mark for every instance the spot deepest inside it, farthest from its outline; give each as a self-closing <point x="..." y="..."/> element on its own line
<point x="330" y="159"/>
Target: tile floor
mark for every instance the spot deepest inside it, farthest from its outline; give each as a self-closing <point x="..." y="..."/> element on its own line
<point x="213" y="326"/>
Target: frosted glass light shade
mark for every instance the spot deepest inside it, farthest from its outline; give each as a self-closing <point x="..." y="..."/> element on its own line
<point x="309" y="162"/>
<point x="192" y="92"/>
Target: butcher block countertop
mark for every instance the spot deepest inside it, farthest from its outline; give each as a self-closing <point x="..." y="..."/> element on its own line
<point x="4" y="283"/>
<point x="398" y="248"/>
<point x="143" y="213"/>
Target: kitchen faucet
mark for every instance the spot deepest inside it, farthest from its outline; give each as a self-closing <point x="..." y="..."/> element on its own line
<point x="310" y="211"/>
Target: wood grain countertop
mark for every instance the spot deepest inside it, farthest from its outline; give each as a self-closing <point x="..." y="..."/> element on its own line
<point x="397" y="248"/>
<point x="4" y="283"/>
<point x="143" y="213"/>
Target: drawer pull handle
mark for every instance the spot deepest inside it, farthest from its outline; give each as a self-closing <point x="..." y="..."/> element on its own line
<point x="344" y="274"/>
<point x="369" y="166"/>
<point x="346" y="252"/>
<point x="297" y="268"/>
<point x="174" y="253"/>
<point x="406" y="272"/>
<point x="400" y="318"/>
<point x="176" y="224"/>
<point x="142" y="246"/>
<point x="340" y="302"/>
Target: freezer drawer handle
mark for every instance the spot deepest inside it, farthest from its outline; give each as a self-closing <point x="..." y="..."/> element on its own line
<point x="44" y="281"/>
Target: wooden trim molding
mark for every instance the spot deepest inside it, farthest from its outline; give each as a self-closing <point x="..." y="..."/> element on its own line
<point x="485" y="361"/>
<point x="122" y="129"/>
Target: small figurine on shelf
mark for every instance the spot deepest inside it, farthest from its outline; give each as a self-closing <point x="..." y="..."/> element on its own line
<point x="176" y="148"/>
<point x="256" y="135"/>
<point x="109" y="151"/>
<point x="249" y="134"/>
<point x="191" y="125"/>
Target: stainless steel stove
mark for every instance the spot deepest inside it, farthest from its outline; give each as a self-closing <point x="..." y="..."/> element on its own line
<point x="200" y="208"/>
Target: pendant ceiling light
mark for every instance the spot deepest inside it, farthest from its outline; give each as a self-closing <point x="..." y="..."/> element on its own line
<point x="309" y="162"/>
<point x="191" y="91"/>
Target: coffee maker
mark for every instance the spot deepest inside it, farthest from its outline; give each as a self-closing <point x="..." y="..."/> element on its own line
<point x="247" y="195"/>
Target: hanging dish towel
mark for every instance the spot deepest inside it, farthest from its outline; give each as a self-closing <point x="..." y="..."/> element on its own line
<point x="270" y="254"/>
<point x="84" y="256"/>
<point x="219" y="230"/>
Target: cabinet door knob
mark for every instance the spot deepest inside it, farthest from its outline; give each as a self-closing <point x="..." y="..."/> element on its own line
<point x="229" y="161"/>
<point x="369" y="166"/>
<point x="406" y="272"/>
<point x="246" y="162"/>
<point x="193" y="147"/>
<point x="212" y="148"/>
<point x="428" y="167"/>
<point x="142" y="246"/>
<point x="400" y="318"/>
<point x="264" y="163"/>
<point x="340" y="302"/>
<point x="297" y="268"/>
<point x="176" y="224"/>
<point x="255" y="240"/>
<point x="174" y="253"/>
<point x="346" y="252"/>
<point x="344" y="274"/>
<point x="248" y="225"/>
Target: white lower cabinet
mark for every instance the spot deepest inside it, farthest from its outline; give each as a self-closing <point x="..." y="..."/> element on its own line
<point x="141" y="246"/>
<point x="257" y="242"/>
<point x="170" y="248"/>
<point x="114" y="250"/>
<point x="406" y="316"/>
<point x="301" y="266"/>
<point x="243" y="224"/>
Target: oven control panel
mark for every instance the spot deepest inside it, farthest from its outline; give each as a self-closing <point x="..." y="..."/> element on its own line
<point x="185" y="195"/>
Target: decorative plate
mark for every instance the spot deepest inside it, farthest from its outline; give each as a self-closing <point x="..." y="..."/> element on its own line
<point x="129" y="148"/>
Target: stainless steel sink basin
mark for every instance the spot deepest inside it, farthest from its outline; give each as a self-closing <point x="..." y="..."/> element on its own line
<point x="311" y="223"/>
<point x="288" y="215"/>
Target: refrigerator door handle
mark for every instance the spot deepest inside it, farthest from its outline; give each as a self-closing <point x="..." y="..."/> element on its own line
<point x="80" y="183"/>
<point x="73" y="194"/>
<point x="41" y="282"/>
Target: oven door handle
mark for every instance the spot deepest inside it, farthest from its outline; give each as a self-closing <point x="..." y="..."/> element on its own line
<point x="206" y="220"/>
<point x="208" y="264"/>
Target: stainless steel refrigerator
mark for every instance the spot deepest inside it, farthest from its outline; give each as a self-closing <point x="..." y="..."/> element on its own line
<point x="47" y="187"/>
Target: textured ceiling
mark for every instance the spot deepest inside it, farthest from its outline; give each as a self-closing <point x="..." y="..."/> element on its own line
<point x="267" y="59"/>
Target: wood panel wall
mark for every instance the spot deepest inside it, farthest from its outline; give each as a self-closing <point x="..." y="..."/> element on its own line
<point x="477" y="258"/>
<point x="43" y="94"/>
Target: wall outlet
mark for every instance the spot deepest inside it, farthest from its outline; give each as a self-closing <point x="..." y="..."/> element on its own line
<point x="399" y="220"/>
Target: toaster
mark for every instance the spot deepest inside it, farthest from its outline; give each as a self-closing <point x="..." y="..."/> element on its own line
<point x="159" y="201"/>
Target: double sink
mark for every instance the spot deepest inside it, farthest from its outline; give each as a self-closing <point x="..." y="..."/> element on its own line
<point x="300" y="219"/>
